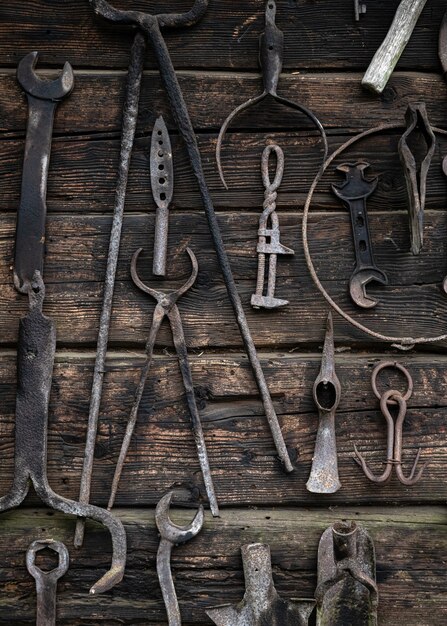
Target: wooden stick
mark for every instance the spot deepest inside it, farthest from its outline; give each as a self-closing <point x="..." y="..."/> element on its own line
<point x="386" y="57"/>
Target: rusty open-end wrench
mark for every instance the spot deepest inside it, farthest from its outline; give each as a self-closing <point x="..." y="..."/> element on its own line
<point x="43" y="98"/>
<point x="37" y="342"/>
<point x="353" y="193"/>
<point x="172" y="535"/>
<point x="46" y="581"/>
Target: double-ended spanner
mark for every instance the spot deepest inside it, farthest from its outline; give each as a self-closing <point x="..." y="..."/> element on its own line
<point x="353" y="193"/>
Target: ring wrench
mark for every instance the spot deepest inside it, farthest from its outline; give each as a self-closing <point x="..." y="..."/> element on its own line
<point x="353" y="193"/>
<point x="172" y="535"/>
<point x="43" y="97"/>
<point x="46" y="581"/>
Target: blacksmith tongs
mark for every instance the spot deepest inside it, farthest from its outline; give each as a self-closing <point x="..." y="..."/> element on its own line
<point x="167" y="307"/>
<point x="37" y="333"/>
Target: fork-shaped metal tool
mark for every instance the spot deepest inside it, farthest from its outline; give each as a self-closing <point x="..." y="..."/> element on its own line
<point x="353" y="193"/>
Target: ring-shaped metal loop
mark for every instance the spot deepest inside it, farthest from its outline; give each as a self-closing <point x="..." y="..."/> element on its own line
<point x="403" y="343"/>
<point x="392" y="364"/>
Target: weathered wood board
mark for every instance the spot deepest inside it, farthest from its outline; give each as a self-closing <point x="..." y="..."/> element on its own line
<point x="208" y="570"/>
<point x="326" y="53"/>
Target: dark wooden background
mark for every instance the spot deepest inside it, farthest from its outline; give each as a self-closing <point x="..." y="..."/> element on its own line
<point x="325" y="55"/>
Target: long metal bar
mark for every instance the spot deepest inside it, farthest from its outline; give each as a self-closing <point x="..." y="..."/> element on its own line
<point x="130" y="113"/>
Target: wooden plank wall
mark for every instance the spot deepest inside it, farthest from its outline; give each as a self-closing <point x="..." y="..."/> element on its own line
<point x="325" y="55"/>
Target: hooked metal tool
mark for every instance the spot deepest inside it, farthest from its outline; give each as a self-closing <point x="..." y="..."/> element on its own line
<point x="130" y="114"/>
<point x="271" y="50"/>
<point x="167" y="307"/>
<point x="43" y="97"/>
<point x="326" y="391"/>
<point x="261" y="604"/>
<point x="35" y="356"/>
<point x="268" y="238"/>
<point x="416" y="167"/>
<point x="353" y="193"/>
<point x="162" y="182"/>
<point x="149" y="26"/>
<point x="46" y="581"/>
<point x="394" y="430"/>
<point x="346" y="591"/>
<point x="172" y="535"/>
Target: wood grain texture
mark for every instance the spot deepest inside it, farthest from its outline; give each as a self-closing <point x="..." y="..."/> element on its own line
<point x="318" y="34"/>
<point x="242" y="456"/>
<point x="208" y="569"/>
<point x="337" y="98"/>
<point x="412" y="304"/>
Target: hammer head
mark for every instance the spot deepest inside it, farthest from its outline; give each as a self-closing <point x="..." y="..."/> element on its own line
<point x="53" y="90"/>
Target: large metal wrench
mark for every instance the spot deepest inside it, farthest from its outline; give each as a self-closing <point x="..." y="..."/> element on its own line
<point x="353" y="193"/>
<point x="46" y="581"/>
<point x="130" y="114"/>
<point x="35" y="358"/>
<point x="150" y="25"/>
<point x="172" y="535"/>
<point x="43" y="98"/>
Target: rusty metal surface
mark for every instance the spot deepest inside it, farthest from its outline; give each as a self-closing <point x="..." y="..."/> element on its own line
<point x="46" y="581"/>
<point x="353" y="192"/>
<point x="261" y="604"/>
<point x="37" y="333"/>
<point x="271" y="50"/>
<point x="269" y="244"/>
<point x="162" y="183"/>
<point x="346" y="591"/>
<point x="326" y="391"/>
<point x="171" y="535"/>
<point x="150" y="26"/>
<point x="388" y="399"/>
<point x="167" y="307"/>
<point x="35" y="358"/>
<point x="129" y="123"/>
<point x="43" y="97"/>
<point x="416" y="149"/>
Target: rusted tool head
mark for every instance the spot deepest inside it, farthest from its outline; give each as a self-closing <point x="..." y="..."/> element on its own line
<point x="261" y="604"/>
<point x="167" y="299"/>
<point x="326" y="391"/>
<point x="54" y="90"/>
<point x="416" y="167"/>
<point x="346" y="592"/>
<point x="388" y="399"/>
